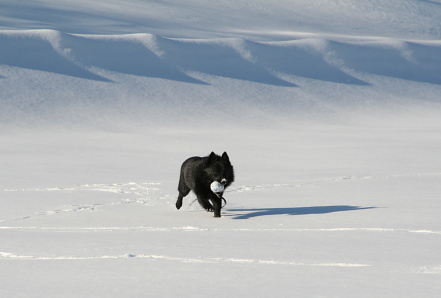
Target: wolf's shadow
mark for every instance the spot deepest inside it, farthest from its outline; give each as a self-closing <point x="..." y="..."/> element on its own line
<point x="249" y="213"/>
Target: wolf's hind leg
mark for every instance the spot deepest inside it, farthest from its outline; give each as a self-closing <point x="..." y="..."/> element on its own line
<point x="183" y="191"/>
<point x="179" y="202"/>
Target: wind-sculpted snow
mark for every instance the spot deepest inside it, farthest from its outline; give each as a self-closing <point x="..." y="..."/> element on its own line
<point x="160" y="80"/>
<point x="147" y="55"/>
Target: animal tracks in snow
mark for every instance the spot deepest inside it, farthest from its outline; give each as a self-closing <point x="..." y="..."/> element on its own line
<point x="145" y="189"/>
<point x="12" y="256"/>
<point x="151" y="193"/>
<point x="142" y="193"/>
<point x="430" y="270"/>
<point x="6" y="255"/>
<point x="140" y="189"/>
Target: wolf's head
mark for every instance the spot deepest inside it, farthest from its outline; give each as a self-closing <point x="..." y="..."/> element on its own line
<point x="219" y="169"/>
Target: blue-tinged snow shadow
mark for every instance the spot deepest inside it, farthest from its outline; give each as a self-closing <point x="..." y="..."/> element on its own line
<point x="403" y="60"/>
<point x="431" y="2"/>
<point x="302" y="61"/>
<point x="38" y="54"/>
<point x="249" y="213"/>
<point x="222" y="58"/>
<point x="124" y="56"/>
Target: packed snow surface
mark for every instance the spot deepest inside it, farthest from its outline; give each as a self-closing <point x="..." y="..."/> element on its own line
<point x="329" y="111"/>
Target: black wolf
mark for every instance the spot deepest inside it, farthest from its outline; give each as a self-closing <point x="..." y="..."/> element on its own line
<point x="197" y="173"/>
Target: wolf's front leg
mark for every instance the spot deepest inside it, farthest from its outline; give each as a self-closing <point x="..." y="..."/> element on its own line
<point x="217" y="205"/>
<point x="205" y="203"/>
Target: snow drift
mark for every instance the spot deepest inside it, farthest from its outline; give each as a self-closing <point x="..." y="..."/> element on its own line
<point x="83" y="56"/>
<point x="134" y="76"/>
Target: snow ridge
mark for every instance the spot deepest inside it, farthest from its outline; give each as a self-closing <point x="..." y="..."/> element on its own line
<point x="329" y="59"/>
<point x="162" y="81"/>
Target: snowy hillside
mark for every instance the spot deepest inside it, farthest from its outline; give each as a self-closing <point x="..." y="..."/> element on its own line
<point x="329" y="111"/>
<point x="220" y="80"/>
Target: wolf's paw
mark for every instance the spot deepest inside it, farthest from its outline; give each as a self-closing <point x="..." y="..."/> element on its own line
<point x="178" y="205"/>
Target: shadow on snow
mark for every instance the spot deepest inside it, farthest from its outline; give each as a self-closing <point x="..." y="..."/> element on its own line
<point x="249" y="213"/>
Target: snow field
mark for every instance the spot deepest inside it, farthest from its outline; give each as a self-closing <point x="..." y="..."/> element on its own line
<point x="329" y="111"/>
<point x="338" y="226"/>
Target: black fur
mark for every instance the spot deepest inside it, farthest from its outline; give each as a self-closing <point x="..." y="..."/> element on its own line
<point x="197" y="173"/>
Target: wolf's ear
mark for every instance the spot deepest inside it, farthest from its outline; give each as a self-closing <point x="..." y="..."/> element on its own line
<point x="211" y="158"/>
<point x="225" y="157"/>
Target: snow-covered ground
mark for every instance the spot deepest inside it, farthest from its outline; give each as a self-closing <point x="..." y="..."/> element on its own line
<point x="329" y="111"/>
